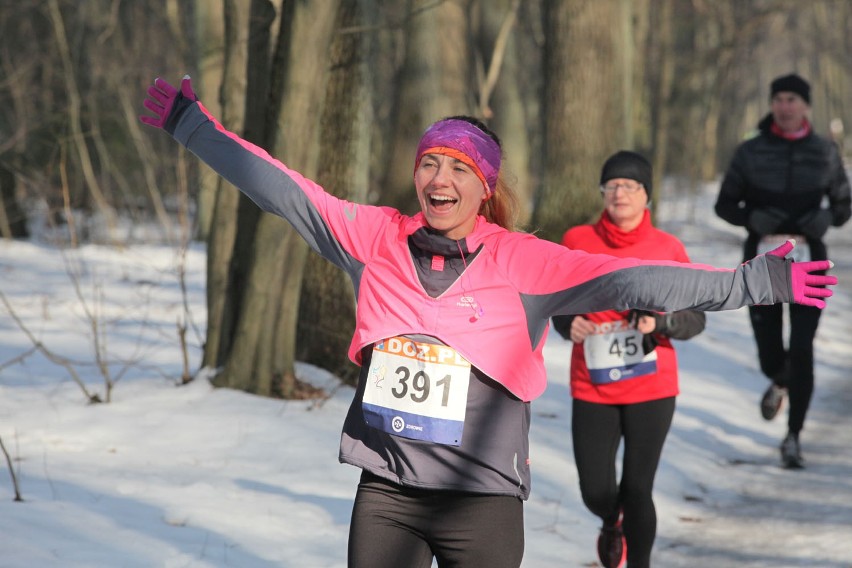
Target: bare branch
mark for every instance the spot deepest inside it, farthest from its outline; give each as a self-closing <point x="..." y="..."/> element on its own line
<point x="66" y="195"/>
<point x="11" y="471"/>
<point x="74" y="120"/>
<point x="497" y="60"/>
<point x="393" y="25"/>
<point x="19" y="358"/>
<point x="51" y="356"/>
<point x="185" y="377"/>
<point x="94" y="324"/>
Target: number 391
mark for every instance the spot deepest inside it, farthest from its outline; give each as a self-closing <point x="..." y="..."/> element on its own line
<point x="419" y="386"/>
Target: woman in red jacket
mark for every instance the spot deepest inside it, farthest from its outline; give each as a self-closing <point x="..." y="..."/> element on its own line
<point x="624" y="371"/>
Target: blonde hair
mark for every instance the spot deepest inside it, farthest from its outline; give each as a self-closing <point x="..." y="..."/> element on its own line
<point x="503" y="207"/>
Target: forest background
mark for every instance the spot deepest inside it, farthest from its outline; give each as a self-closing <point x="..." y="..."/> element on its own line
<point x="341" y="90"/>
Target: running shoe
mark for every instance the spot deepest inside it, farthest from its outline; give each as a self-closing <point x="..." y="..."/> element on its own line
<point x="791" y="452"/>
<point x="771" y="402"/>
<point x="612" y="548"/>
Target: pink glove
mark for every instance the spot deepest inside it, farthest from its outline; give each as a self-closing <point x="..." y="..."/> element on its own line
<point x="162" y="99"/>
<point x="802" y="282"/>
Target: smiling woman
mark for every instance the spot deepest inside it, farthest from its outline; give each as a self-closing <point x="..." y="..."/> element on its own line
<point x="450" y="194"/>
<point x="456" y="172"/>
<point x="452" y="315"/>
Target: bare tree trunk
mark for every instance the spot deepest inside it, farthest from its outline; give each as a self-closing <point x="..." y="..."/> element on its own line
<point x="74" y="120"/>
<point x="327" y="304"/>
<point x="222" y="294"/>
<point x="435" y="82"/>
<point x="584" y="110"/>
<point x="13" y="220"/>
<point x="212" y="49"/>
<point x="826" y="62"/>
<point x="721" y="41"/>
<point x="262" y="353"/>
<point x="662" y="53"/>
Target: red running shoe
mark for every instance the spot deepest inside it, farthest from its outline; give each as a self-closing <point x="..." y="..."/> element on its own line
<point x="612" y="548"/>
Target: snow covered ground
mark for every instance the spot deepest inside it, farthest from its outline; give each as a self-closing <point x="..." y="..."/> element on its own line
<point x="197" y="477"/>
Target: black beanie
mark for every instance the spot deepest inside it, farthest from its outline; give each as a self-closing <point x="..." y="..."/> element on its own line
<point x="628" y="165"/>
<point x="792" y="84"/>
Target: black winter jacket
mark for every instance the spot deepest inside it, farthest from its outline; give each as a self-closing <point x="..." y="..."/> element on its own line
<point x="776" y="186"/>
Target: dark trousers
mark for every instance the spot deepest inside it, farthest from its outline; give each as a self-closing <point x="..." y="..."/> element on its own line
<point x="792" y="367"/>
<point x="399" y="527"/>
<point x="597" y="430"/>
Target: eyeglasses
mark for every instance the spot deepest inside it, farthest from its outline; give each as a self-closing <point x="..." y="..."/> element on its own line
<point x="628" y="187"/>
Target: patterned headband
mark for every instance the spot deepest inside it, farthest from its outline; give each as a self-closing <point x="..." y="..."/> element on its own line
<point x="465" y="142"/>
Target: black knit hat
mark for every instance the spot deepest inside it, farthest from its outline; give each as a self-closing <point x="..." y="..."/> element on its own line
<point x="628" y="165"/>
<point x="793" y="84"/>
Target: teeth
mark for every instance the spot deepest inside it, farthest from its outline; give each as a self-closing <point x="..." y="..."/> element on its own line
<point x="441" y="198"/>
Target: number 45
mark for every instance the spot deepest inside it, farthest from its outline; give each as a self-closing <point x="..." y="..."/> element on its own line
<point x="628" y="348"/>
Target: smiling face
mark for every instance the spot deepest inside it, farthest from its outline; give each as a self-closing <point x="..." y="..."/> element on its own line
<point x="450" y="194"/>
<point x="789" y="111"/>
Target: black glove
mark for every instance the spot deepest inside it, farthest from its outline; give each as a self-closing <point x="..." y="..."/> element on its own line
<point x="684" y="324"/>
<point x="649" y="342"/>
<point x="562" y="325"/>
<point x="815" y="223"/>
<point x="765" y="220"/>
<point x="660" y="319"/>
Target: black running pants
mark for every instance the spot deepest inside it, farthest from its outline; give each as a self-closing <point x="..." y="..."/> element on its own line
<point x="597" y="431"/>
<point x="399" y="527"/>
<point x="793" y="365"/>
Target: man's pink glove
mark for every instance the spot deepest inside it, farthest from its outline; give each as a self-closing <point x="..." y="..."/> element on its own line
<point x="803" y="284"/>
<point x="165" y="100"/>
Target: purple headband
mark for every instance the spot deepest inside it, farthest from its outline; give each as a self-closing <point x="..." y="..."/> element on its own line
<point x="468" y="141"/>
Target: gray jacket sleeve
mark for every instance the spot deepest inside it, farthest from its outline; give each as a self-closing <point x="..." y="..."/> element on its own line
<point x="671" y="287"/>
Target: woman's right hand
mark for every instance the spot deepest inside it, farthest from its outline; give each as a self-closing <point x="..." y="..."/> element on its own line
<point x="580" y="329"/>
<point x="164" y="100"/>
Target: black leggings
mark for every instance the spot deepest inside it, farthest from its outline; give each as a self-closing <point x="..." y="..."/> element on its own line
<point x="597" y="431"/>
<point x="399" y="527"/>
<point x="793" y="366"/>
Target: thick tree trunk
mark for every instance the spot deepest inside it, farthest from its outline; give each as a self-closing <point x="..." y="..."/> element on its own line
<point x="436" y="81"/>
<point x="271" y="259"/>
<point x="210" y="19"/>
<point x="584" y="110"/>
<point x="222" y="294"/>
<point x="13" y="220"/>
<point x="327" y="307"/>
<point x="663" y="75"/>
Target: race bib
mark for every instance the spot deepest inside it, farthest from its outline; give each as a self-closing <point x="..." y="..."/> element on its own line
<point x="417" y="390"/>
<point x="801" y="253"/>
<point x="614" y="354"/>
